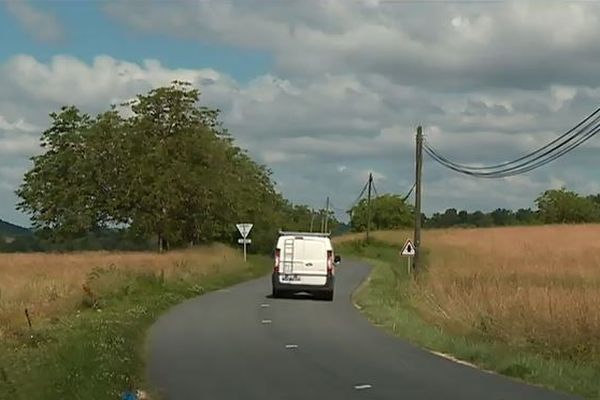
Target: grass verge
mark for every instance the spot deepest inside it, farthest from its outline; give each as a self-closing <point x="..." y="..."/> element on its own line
<point x="97" y="352"/>
<point x="386" y="300"/>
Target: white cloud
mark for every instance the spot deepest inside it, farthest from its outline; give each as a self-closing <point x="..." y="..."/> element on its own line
<point x="41" y="25"/>
<point x="278" y="157"/>
<point x="67" y="79"/>
<point x="519" y="44"/>
<point x="19" y="125"/>
<point x="18" y="144"/>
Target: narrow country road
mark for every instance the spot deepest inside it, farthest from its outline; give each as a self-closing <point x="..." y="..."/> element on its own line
<point x="239" y="344"/>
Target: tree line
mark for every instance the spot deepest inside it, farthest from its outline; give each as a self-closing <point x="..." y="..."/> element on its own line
<point x="160" y="168"/>
<point x="556" y="206"/>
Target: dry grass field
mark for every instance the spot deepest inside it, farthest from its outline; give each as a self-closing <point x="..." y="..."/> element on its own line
<point x="535" y="286"/>
<point x="53" y="284"/>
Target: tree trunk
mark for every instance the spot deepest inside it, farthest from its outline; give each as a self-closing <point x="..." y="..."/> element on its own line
<point x="160" y="243"/>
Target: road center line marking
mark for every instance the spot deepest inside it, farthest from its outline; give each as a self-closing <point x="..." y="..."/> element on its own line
<point x="266" y="321"/>
<point x="362" y="387"/>
<point x="264" y="305"/>
<point x="291" y="346"/>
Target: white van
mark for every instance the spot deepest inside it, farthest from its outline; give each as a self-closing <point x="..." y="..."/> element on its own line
<point x="304" y="262"/>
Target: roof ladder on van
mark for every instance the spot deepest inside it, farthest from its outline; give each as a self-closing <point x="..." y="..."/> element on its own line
<point x="288" y="256"/>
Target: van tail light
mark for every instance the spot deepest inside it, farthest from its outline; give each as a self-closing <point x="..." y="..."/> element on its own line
<point x="329" y="262"/>
<point x="277" y="258"/>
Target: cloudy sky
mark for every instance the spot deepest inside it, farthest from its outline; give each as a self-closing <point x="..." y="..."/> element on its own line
<point x="324" y="91"/>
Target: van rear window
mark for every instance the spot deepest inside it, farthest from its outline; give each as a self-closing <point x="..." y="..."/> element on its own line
<point x="310" y="249"/>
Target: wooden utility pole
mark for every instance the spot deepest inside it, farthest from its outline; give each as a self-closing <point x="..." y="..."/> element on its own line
<point x="322" y="220"/>
<point x="326" y="215"/>
<point x="418" y="169"/>
<point x="312" y="219"/>
<point x="369" y="206"/>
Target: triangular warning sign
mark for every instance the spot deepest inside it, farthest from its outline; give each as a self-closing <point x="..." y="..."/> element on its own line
<point x="244" y="229"/>
<point x="408" y="249"/>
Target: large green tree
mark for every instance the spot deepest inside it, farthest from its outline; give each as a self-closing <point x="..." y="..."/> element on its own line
<point x="565" y="206"/>
<point x="168" y="169"/>
<point x="58" y="191"/>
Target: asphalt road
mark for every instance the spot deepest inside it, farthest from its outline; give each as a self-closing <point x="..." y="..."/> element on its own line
<point x="239" y="344"/>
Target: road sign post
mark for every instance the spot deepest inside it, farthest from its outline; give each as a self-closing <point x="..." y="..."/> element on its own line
<point x="244" y="231"/>
<point x="408" y="250"/>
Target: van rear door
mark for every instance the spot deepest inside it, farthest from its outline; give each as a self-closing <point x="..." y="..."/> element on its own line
<point x="309" y="256"/>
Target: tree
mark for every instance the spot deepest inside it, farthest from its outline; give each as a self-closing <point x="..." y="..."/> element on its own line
<point x="526" y="216"/>
<point x="168" y="170"/>
<point x="595" y="198"/>
<point x="503" y="217"/>
<point x="60" y="192"/>
<point x="387" y="212"/>
<point x="481" y="220"/>
<point x="463" y="216"/>
<point x="564" y="206"/>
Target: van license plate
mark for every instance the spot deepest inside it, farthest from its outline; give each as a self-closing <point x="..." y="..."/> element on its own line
<point x="291" y="278"/>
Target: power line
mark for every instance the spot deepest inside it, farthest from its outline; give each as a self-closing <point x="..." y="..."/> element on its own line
<point x="572" y="135"/>
<point x="375" y="189"/>
<point x="521" y="169"/>
<point x="362" y="192"/>
<point x="409" y="192"/>
<point x="540" y="157"/>
<point x="561" y="140"/>
<point x="334" y="207"/>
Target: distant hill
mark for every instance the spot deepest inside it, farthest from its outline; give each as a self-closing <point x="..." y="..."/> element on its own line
<point x="8" y="229"/>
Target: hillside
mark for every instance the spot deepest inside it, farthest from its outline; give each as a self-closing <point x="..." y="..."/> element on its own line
<point x="8" y="229"/>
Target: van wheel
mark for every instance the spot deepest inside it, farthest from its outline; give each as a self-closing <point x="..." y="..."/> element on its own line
<point x="276" y="293"/>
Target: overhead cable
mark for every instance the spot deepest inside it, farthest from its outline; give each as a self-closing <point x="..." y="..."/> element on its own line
<point x="558" y="147"/>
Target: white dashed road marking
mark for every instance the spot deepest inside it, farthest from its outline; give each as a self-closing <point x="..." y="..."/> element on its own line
<point x="266" y="321"/>
<point x="291" y="346"/>
<point x="362" y="387"/>
<point x="264" y="305"/>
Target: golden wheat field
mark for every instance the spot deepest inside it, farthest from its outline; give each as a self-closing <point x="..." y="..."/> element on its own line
<point x="51" y="284"/>
<point x="534" y="285"/>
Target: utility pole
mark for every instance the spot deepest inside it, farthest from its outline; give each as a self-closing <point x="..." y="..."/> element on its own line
<point x="312" y="219"/>
<point x="369" y="206"/>
<point x="326" y="215"/>
<point x="322" y="220"/>
<point x="418" y="169"/>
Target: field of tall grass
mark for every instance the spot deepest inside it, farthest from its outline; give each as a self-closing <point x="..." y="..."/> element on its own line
<point x="52" y="285"/>
<point x="532" y="286"/>
<point x="527" y="286"/>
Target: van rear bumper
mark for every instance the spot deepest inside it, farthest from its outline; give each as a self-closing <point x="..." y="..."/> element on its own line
<point x="290" y="287"/>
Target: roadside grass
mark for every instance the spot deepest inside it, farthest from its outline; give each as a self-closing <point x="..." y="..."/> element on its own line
<point x="50" y="284"/>
<point x="527" y="286"/>
<point x="95" y="349"/>
<point x="394" y="301"/>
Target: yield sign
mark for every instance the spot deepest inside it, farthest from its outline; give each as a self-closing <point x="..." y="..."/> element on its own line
<point x="408" y="249"/>
<point x="244" y="229"/>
